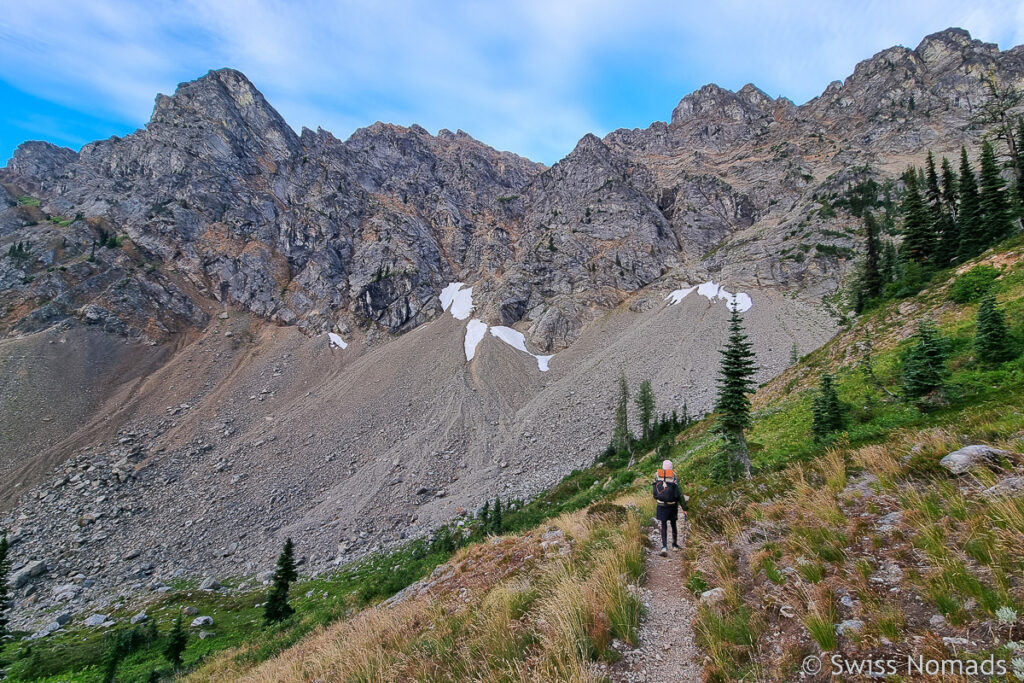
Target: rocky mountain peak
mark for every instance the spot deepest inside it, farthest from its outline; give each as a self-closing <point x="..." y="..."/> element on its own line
<point x="36" y="159"/>
<point x="226" y="99"/>
<point x="715" y="103"/>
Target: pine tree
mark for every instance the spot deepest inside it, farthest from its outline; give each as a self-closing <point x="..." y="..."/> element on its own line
<point x="5" y="569"/>
<point x="645" y="408"/>
<point x="497" y="522"/>
<point x="889" y="262"/>
<point x="277" y="607"/>
<point x="870" y="285"/>
<point x="177" y="639"/>
<point x="794" y="355"/>
<point x="949" y="187"/>
<point x="942" y="227"/>
<point x="918" y="238"/>
<point x="1019" y="167"/>
<point x="621" y="437"/>
<point x="924" y="364"/>
<point x="946" y="230"/>
<point x="972" y="240"/>
<point x="736" y="380"/>
<point x="826" y="410"/>
<point x="992" y="342"/>
<point x="995" y="209"/>
<point x="485" y="515"/>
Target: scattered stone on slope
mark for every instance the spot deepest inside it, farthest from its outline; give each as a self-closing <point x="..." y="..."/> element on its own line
<point x="964" y="460"/>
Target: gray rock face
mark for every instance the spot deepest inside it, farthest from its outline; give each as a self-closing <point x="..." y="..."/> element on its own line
<point x="233" y="206"/>
<point x="968" y="458"/>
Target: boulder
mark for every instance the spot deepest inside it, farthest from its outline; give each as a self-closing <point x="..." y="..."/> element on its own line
<point x="96" y="620"/>
<point x="849" y="626"/>
<point x="27" y="573"/>
<point x="202" y="621"/>
<point x="50" y="628"/>
<point x="209" y="584"/>
<point x="139" y="618"/>
<point x="1011" y="486"/>
<point x="968" y="458"/>
<point x="190" y="611"/>
<point x="713" y="596"/>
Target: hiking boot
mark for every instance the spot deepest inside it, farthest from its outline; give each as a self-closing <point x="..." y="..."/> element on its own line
<point x="675" y="546"/>
<point x="664" y="551"/>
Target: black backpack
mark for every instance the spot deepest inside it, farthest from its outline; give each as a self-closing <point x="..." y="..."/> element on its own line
<point x="666" y="491"/>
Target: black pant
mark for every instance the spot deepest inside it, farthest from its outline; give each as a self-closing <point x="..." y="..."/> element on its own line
<point x="664" y="532"/>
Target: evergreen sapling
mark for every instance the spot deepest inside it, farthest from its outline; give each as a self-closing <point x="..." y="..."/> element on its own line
<point x="277" y="607"/>
<point x="735" y="382"/>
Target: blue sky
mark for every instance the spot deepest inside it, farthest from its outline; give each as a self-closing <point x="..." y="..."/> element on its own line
<point x="530" y="76"/>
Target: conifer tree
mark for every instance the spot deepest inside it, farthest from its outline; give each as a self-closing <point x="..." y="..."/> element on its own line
<point x="277" y="607"/>
<point x="735" y="382"/>
<point x="992" y="342"/>
<point x="918" y="238"/>
<point x="497" y="521"/>
<point x="1019" y="167"/>
<point x="485" y="515"/>
<point x="949" y="188"/>
<point x="924" y="364"/>
<point x="995" y="209"/>
<point x="177" y="639"/>
<point x="794" y="355"/>
<point x="972" y="240"/>
<point x="888" y="263"/>
<point x="826" y="410"/>
<point x="621" y="437"/>
<point x="5" y="569"/>
<point x="870" y="285"/>
<point x="645" y="408"/>
<point x="946" y="231"/>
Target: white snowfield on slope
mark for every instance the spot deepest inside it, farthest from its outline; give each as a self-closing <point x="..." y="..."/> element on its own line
<point x="711" y="290"/>
<point x="336" y="340"/>
<point x="460" y="302"/>
<point x="475" y="332"/>
<point x="516" y="340"/>
<point x="458" y="299"/>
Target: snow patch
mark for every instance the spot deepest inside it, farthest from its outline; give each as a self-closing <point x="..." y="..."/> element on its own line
<point x="449" y="292"/>
<point x="675" y="297"/>
<point x="336" y="340"/>
<point x="741" y="301"/>
<point x="517" y="340"/>
<point x="711" y="290"/>
<point x="475" y="332"/>
<point x="458" y="299"/>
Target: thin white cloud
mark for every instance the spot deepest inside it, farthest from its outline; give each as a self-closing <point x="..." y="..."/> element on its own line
<point x="518" y="75"/>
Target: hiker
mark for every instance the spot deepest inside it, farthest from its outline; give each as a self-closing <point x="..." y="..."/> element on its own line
<point x="670" y="498"/>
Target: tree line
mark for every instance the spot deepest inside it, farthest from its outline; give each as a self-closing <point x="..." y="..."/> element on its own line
<point x="947" y="217"/>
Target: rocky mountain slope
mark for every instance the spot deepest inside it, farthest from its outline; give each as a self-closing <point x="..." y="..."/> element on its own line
<point x="171" y="402"/>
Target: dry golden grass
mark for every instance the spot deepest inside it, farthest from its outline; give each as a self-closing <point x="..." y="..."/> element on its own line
<point x="544" y="624"/>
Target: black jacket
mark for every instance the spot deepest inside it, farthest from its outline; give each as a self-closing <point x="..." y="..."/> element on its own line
<point x="670" y="498"/>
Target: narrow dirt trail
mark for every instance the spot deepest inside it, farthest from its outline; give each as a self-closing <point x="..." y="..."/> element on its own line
<point x="667" y="651"/>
